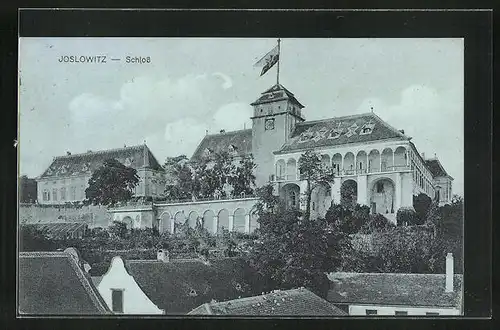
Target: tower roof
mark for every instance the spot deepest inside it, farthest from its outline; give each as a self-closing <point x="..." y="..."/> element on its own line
<point x="276" y="93"/>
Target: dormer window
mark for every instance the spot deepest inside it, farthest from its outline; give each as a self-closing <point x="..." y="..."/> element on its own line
<point x="335" y="133"/>
<point x="238" y="286"/>
<point x="367" y="129"/>
<point x="193" y="293"/>
<point x="351" y="130"/>
<point x="306" y="136"/>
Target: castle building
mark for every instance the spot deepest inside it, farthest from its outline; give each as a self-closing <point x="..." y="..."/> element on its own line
<point x="376" y="161"/>
<point x="66" y="179"/>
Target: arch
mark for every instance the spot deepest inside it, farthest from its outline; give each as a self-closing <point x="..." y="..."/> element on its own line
<point x="254" y="224"/>
<point x="223" y="220"/>
<point x="386" y="161"/>
<point x="374" y="161"/>
<point x="382" y="196"/>
<point x="193" y="219"/>
<point x="321" y="200"/>
<point x="349" y="163"/>
<point x="165" y="224"/>
<point x="179" y="219"/>
<point x="137" y="223"/>
<point x="400" y="158"/>
<point x="280" y="169"/>
<point x="291" y="169"/>
<point x="349" y="193"/>
<point x="209" y="221"/>
<point x="290" y="194"/>
<point x="128" y="221"/>
<point x="325" y="160"/>
<point x="239" y="216"/>
<point x="337" y="163"/>
<point x="361" y="162"/>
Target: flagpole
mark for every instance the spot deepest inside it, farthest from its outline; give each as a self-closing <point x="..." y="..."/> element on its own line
<point x="278" y="71"/>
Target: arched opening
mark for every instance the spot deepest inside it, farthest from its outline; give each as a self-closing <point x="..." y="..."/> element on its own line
<point x="280" y="169"/>
<point x="223" y="220"/>
<point x="179" y="219"/>
<point x="291" y="169"/>
<point x="337" y="163"/>
<point x="254" y="224"/>
<point x="137" y="223"/>
<point x="209" y="221"/>
<point x="382" y="197"/>
<point x="374" y="161"/>
<point x="193" y="218"/>
<point x="128" y="222"/>
<point x="361" y="162"/>
<point x="386" y="161"/>
<point x="165" y="224"/>
<point x="349" y="163"/>
<point x="290" y="194"/>
<point x="321" y="200"/>
<point x="239" y="220"/>
<point x="400" y="158"/>
<point x="349" y="193"/>
<point x="325" y="160"/>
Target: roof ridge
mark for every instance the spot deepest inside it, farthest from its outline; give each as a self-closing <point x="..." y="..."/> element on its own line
<point x="102" y="151"/>
<point x="230" y="132"/>
<point x="333" y="118"/>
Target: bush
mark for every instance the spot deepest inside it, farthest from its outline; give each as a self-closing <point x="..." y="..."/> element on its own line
<point x="421" y="204"/>
<point x="406" y="216"/>
<point x="377" y="222"/>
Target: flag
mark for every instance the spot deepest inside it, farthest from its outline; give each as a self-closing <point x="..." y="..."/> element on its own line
<point x="268" y="60"/>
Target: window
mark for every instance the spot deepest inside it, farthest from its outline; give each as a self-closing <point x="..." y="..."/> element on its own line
<point x="46" y="195"/>
<point x="73" y="193"/>
<point x="117" y="300"/>
<point x="371" y="312"/>
<point x="54" y="194"/>
<point x="432" y="314"/>
<point x="63" y="193"/>
<point x="380" y="187"/>
<point x="400" y="313"/>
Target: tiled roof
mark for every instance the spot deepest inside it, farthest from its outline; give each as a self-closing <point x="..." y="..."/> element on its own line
<point x="393" y="289"/>
<point x="336" y="131"/>
<point x="434" y="165"/>
<point x="77" y="164"/>
<point x="52" y="283"/>
<point x="179" y="286"/>
<point x="295" y="302"/>
<point x="276" y="93"/>
<point x="239" y="142"/>
<point x="60" y="229"/>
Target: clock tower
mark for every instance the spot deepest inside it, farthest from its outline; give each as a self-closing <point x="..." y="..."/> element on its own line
<point x="275" y="115"/>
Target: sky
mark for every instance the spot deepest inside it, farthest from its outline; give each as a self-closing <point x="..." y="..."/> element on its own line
<point x="192" y="85"/>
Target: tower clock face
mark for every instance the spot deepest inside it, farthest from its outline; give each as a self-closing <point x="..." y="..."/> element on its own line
<point x="269" y="124"/>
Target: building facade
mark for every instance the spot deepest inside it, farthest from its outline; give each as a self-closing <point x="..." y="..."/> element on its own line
<point x="376" y="161"/>
<point x="66" y="179"/>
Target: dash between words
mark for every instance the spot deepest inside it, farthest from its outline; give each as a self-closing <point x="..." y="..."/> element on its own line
<point x="101" y="59"/>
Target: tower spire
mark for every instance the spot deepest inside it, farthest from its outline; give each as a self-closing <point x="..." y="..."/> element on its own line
<point x="278" y="69"/>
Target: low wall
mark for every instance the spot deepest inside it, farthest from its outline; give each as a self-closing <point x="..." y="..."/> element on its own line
<point x="93" y="216"/>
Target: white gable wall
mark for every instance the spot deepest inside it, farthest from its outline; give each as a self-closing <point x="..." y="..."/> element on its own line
<point x="135" y="300"/>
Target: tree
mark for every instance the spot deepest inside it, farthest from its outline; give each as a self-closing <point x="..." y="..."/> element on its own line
<point x="27" y="190"/>
<point x="111" y="183"/>
<point x="33" y="239"/>
<point x="118" y="229"/>
<point x="291" y="252"/>
<point x="243" y="180"/>
<point x="314" y="172"/>
<point x="421" y="204"/>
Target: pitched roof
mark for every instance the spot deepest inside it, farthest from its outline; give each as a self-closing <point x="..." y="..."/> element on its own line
<point x="394" y="289"/>
<point x="336" y="131"/>
<point x="52" y="283"/>
<point x="295" y="302"/>
<point x="60" y="229"/>
<point x="77" y="164"/>
<point x="179" y="286"/>
<point x="276" y="93"/>
<point x="240" y="141"/>
<point x="437" y="170"/>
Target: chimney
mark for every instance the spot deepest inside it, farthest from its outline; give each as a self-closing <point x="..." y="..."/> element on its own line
<point x="449" y="273"/>
<point x="402" y="131"/>
<point x="68" y="153"/>
<point x="222" y="131"/>
<point x="163" y="256"/>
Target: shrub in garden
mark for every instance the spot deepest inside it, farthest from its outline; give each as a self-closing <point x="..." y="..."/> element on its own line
<point x="406" y="216"/>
